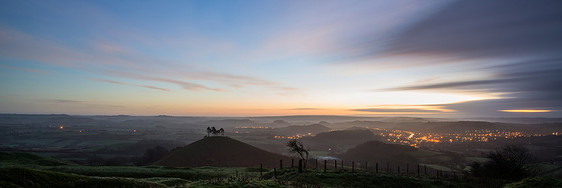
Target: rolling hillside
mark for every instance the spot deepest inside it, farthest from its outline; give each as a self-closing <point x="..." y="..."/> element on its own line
<point x="221" y="152"/>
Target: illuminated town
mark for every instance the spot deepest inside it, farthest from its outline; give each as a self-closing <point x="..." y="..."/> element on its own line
<point x="418" y="139"/>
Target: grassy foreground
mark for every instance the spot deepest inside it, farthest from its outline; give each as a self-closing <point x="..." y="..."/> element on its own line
<point x="27" y="170"/>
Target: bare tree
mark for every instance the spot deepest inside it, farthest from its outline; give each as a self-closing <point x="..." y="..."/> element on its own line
<point x="296" y="146"/>
<point x="511" y="162"/>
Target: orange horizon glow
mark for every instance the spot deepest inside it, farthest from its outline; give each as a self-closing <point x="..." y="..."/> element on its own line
<point x="526" y="111"/>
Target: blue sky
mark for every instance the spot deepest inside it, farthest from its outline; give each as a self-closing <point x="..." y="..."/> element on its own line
<point x="238" y="58"/>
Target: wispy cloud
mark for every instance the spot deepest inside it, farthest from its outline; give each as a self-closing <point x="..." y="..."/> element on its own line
<point x="129" y="84"/>
<point x="61" y="101"/>
<point x="394" y="110"/>
<point x="22" y="69"/>
<point x="184" y="84"/>
<point x="448" y="85"/>
<point x="226" y="79"/>
<point x="108" y="55"/>
<point x="306" y="109"/>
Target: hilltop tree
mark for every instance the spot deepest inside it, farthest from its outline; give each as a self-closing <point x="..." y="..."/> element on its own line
<point x="296" y="146"/>
<point x="214" y="131"/>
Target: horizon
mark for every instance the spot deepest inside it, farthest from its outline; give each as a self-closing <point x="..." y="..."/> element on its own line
<point x="443" y="59"/>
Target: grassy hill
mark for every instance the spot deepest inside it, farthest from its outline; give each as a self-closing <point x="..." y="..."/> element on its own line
<point x="27" y="170"/>
<point x="222" y="152"/>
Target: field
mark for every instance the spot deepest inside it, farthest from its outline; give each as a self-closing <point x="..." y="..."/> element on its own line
<point x="27" y="170"/>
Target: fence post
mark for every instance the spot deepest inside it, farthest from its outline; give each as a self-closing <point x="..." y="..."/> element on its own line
<point x="377" y="167"/>
<point x="325" y="164"/>
<point x="280" y="164"/>
<point x="261" y="170"/>
<point x="292" y="163"/>
<point x="274" y="173"/>
<point x="335" y="164"/>
<point x="399" y="169"/>
<point x="300" y="165"/>
<point x="387" y="167"/>
<point x="418" y="170"/>
<point x="316" y="163"/>
<point x="366" y="168"/>
<point x="425" y="169"/>
<point x="454" y="176"/>
<point x="407" y="169"/>
<point x="352" y="166"/>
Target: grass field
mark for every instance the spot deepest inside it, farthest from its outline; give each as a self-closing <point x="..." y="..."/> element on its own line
<point x="28" y="170"/>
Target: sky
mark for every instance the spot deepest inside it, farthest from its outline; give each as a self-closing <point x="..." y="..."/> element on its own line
<point x="260" y="58"/>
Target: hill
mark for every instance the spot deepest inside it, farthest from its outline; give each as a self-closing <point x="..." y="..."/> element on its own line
<point x="16" y="172"/>
<point x="221" y="152"/>
<point x="228" y="123"/>
<point x="302" y="129"/>
<point x="375" y="151"/>
<point x="11" y="158"/>
<point x="339" y="141"/>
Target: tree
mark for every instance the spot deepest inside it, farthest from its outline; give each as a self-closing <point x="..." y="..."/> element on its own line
<point x="512" y="162"/>
<point x="214" y="130"/>
<point x="296" y="146"/>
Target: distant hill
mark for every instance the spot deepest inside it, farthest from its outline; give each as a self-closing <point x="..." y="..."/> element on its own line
<point x="449" y="126"/>
<point x="304" y="129"/>
<point x="229" y="123"/>
<point x="375" y="151"/>
<point x="462" y="126"/>
<point x="221" y="152"/>
<point x="12" y="158"/>
<point x="339" y="141"/>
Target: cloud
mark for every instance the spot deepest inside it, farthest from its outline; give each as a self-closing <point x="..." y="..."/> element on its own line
<point x="493" y="107"/>
<point x="229" y="79"/>
<point x="62" y="101"/>
<point x="107" y="55"/>
<point x="485" y="29"/>
<point x="393" y="110"/>
<point x="22" y="69"/>
<point x="184" y="84"/>
<point x="306" y="109"/>
<point x="110" y="56"/>
<point x="447" y="85"/>
<point x="123" y="83"/>
<point x="517" y="43"/>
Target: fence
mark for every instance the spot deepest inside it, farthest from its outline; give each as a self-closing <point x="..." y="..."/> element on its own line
<point x="418" y="170"/>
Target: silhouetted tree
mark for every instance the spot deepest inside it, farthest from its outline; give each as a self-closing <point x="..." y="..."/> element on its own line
<point x="214" y="130"/>
<point x="512" y="162"/>
<point x="296" y="146"/>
